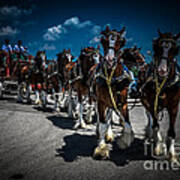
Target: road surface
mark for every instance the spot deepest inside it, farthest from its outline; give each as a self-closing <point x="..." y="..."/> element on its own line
<point x="37" y="144"/>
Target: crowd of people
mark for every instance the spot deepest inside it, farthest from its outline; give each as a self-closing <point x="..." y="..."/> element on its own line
<point x="18" y="49"/>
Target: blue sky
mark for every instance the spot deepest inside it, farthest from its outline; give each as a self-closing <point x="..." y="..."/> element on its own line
<point x="57" y="24"/>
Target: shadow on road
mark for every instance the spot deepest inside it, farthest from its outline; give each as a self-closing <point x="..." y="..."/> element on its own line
<point x="47" y="109"/>
<point x="78" y="145"/>
<point x="62" y="122"/>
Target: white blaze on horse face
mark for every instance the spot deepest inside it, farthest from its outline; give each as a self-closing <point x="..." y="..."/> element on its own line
<point x="111" y="54"/>
<point x="69" y="56"/>
<point x="43" y="57"/>
<point x="96" y="57"/>
<point x="163" y="67"/>
<point x="112" y="41"/>
<point x="166" y="47"/>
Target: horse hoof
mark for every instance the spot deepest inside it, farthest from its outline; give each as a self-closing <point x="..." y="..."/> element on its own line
<point x="101" y="152"/>
<point x="57" y="110"/>
<point x="109" y="137"/>
<point x="89" y="120"/>
<point x="83" y="125"/>
<point x="76" y="126"/>
<point x="125" y="140"/>
<point x="38" y="102"/>
<point x="158" y="151"/>
<point x="79" y="126"/>
<point x="174" y="159"/>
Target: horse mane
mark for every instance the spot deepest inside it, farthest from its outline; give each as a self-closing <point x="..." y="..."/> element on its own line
<point x="88" y="49"/>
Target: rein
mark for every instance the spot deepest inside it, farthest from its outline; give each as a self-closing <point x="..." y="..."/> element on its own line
<point x="108" y="81"/>
<point x="158" y="91"/>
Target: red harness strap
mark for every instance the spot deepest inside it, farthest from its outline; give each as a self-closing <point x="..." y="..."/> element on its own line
<point x="7" y="66"/>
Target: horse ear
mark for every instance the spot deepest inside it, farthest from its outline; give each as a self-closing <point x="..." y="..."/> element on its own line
<point x="107" y="28"/>
<point x="135" y="47"/>
<point x="159" y="32"/>
<point x="122" y="30"/>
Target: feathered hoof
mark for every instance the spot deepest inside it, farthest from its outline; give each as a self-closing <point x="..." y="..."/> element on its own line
<point x="89" y="120"/>
<point x="57" y="110"/>
<point x="159" y="150"/>
<point x="109" y="137"/>
<point x="174" y="159"/>
<point x="101" y="152"/>
<point x="38" y="102"/>
<point x="125" y="140"/>
<point x="80" y="126"/>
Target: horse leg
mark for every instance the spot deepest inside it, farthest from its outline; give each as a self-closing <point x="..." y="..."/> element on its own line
<point x="80" y="123"/>
<point x="102" y="150"/>
<point x="149" y="127"/>
<point x="90" y="112"/>
<point x="56" y="99"/>
<point x="63" y="99"/>
<point x="70" y="113"/>
<point x="160" y="146"/>
<point x="37" y="101"/>
<point x="28" y="93"/>
<point x="127" y="136"/>
<point x="19" y="98"/>
<point x="109" y="136"/>
<point x="44" y="97"/>
<point x="173" y="111"/>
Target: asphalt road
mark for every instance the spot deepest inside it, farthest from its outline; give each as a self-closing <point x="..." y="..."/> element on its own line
<point x="42" y="145"/>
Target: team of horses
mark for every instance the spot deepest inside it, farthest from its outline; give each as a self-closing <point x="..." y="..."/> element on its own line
<point x="104" y="82"/>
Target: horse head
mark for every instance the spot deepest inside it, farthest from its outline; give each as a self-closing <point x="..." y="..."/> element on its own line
<point x="132" y="57"/>
<point x="67" y="56"/>
<point x="41" y="55"/>
<point x="89" y="57"/>
<point x="165" y="49"/>
<point x="112" y="41"/>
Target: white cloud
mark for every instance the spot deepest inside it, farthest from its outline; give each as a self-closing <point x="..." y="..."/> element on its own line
<point x="14" y="11"/>
<point x="54" y="33"/>
<point x="129" y="39"/>
<point x="95" y="40"/>
<point x="49" y="47"/>
<point x="74" y="21"/>
<point x="8" y="31"/>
